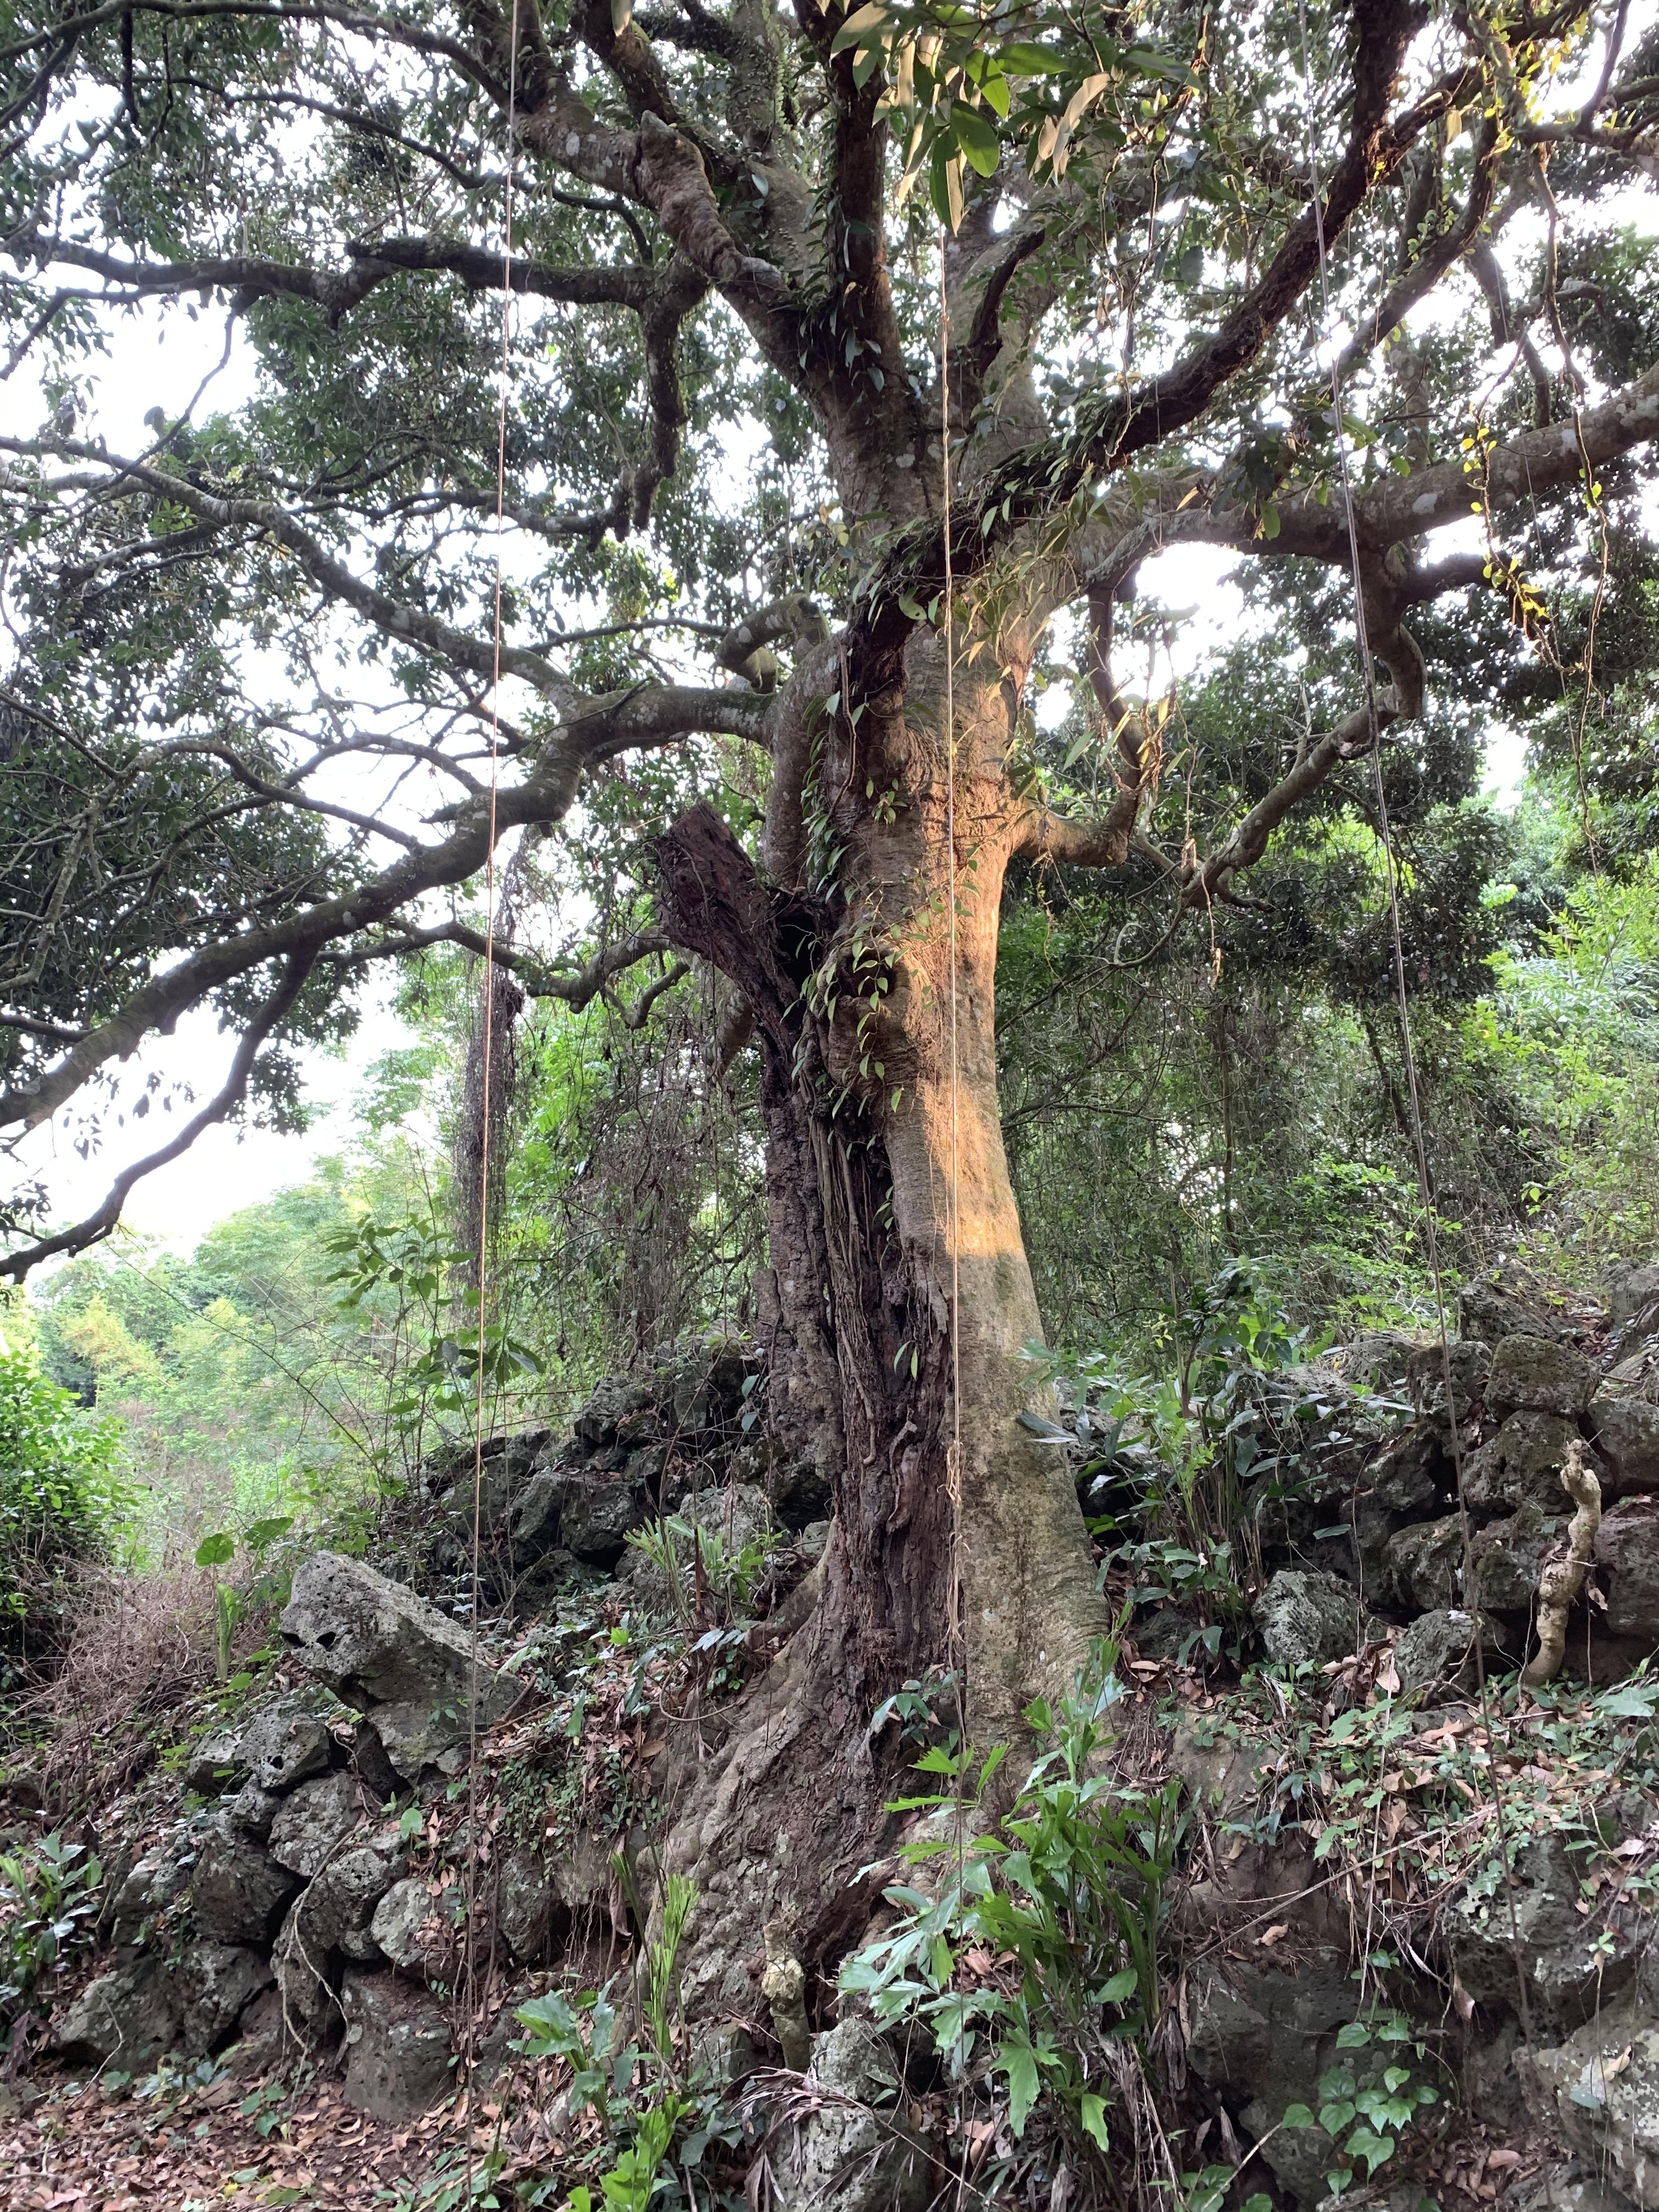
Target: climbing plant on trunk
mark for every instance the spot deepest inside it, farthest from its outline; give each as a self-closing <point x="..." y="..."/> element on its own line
<point x="844" y="354"/>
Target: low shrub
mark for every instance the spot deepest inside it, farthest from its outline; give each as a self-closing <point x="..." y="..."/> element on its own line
<point x="61" y="1503"/>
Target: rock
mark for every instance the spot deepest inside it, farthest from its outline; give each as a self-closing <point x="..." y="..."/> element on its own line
<point x="1564" y="2186"/>
<point x="215" y="1764"/>
<point x="1495" y="1306"/>
<point x="337" y="1910"/>
<point x="1508" y="1555"/>
<point x="525" y="1904"/>
<point x="1521" y="1465"/>
<point x="414" y="1930"/>
<point x="1220" y="1771"/>
<point x="1261" y="2037"/>
<point x="1571" y="1964"/>
<point x="1537" y="1374"/>
<point x="614" y="1398"/>
<point x="1436" y="1653"/>
<point x="151" y="1884"/>
<point x="1304" y="1615"/>
<point x="1625" y="1434"/>
<point x="1604" y="2082"/>
<point x="801" y="1494"/>
<point x="1627" y="1547"/>
<point x="462" y="1482"/>
<point x="846" y="2155"/>
<point x="1423" y="1565"/>
<point x="1379" y="1360"/>
<point x="285" y="1745"/>
<point x="397" y="2047"/>
<point x="1632" y="1290"/>
<point x="216" y="1983"/>
<point x="813" y="1540"/>
<point x="238" y="1891"/>
<point x="253" y="1811"/>
<point x="1413" y="1476"/>
<point x="1425" y="1376"/>
<point x="380" y="1646"/>
<point x="586" y="1513"/>
<point x="305" y="1983"/>
<point x="313" y="1821"/>
<point x="128" y="2017"/>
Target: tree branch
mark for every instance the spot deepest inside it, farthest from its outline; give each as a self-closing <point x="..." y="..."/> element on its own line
<point x="97" y="1224"/>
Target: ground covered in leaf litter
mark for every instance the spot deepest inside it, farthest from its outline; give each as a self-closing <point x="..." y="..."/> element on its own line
<point x="225" y="2142"/>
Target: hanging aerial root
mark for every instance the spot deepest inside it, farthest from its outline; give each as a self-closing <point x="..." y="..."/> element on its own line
<point x="1562" y="1579"/>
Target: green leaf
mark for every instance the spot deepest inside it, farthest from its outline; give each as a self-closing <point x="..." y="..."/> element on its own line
<point x="1018" y="2062"/>
<point x="1355" y="2036"/>
<point x="862" y="20"/>
<point x="1297" y="2116"/>
<point x="1122" y="1987"/>
<point x="267" y="1531"/>
<point x="978" y="141"/>
<point x="214" y="1551"/>
<point x="1094" y="2119"/>
<point x="1019" y="57"/>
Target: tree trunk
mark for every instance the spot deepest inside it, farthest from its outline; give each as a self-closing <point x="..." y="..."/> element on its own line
<point x="958" y="1542"/>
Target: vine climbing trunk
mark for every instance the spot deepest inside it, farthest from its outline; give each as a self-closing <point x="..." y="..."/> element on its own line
<point x="958" y="1545"/>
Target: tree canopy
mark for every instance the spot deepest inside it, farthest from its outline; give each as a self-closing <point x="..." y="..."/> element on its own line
<point x="250" y="687"/>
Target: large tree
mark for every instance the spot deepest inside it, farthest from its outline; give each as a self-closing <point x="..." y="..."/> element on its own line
<point x="737" y="340"/>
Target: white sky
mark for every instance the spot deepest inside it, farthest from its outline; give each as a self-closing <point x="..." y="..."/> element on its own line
<point x="160" y="360"/>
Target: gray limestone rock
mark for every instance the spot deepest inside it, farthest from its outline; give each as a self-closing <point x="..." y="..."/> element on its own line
<point x="1423" y="1565"/>
<point x="1536" y="1375"/>
<point x="396" y="2046"/>
<point x="1437" y="1653"/>
<point x="1631" y="1289"/>
<point x="1521" y="1465"/>
<point x="151" y="1884"/>
<point x="1507" y="1556"/>
<point x="306" y="1982"/>
<point x="851" y="2154"/>
<point x="1303" y="1615"/>
<point x="238" y="1891"/>
<point x="1569" y="1966"/>
<point x="1413" y="1475"/>
<point x="215" y="1764"/>
<point x="383" y="1648"/>
<point x="314" y="1820"/>
<point x="416" y="1929"/>
<point x="1261" y="2037"/>
<point x="584" y="1513"/>
<point x="337" y="1908"/>
<point x="1627" y="1552"/>
<point x="1497" y="1305"/>
<point x="285" y="1745"/>
<point x="216" y="1983"/>
<point x="252" y="1810"/>
<point x="1378" y="1361"/>
<point x="1625" y="1434"/>
<point x="525" y="1905"/>
<point x="1604" y="2084"/>
<point x="128" y="2017"/>
<point x="1425" y="1375"/>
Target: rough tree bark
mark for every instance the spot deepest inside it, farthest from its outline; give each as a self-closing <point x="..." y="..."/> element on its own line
<point x="958" y="1544"/>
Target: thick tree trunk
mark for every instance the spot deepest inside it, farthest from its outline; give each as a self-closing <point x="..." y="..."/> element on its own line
<point x="898" y="1303"/>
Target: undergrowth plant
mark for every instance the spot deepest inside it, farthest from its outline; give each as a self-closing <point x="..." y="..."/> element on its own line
<point x="49" y="1902"/>
<point x="657" y="2112"/>
<point x="1038" y="1950"/>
